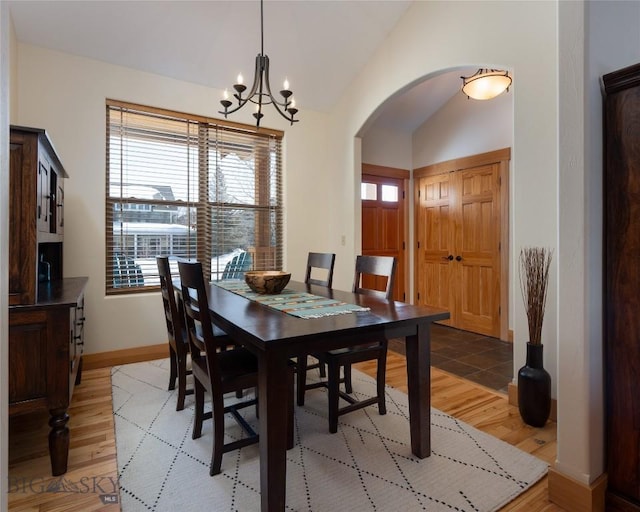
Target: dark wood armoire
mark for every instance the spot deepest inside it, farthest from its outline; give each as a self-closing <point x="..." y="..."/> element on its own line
<point x="621" y="90"/>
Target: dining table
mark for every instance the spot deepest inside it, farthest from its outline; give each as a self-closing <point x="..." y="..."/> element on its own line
<point x="275" y="337"/>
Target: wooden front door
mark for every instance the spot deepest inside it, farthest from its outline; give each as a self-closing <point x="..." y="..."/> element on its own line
<point x="460" y="233"/>
<point x="383" y="226"/>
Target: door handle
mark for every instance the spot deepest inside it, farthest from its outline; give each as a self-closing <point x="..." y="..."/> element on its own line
<point x="450" y="257"/>
<point x="458" y="258"/>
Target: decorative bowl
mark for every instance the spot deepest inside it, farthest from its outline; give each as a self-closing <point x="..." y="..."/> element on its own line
<point x="269" y="282"/>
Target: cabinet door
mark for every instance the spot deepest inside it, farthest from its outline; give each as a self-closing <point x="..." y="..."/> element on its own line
<point x="23" y="207"/>
<point x="76" y="342"/>
<point x="60" y="208"/>
<point x="43" y="196"/>
<point x="28" y="336"/>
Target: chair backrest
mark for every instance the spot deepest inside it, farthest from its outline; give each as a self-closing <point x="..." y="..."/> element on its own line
<point x="321" y="260"/>
<point x="172" y="315"/>
<point x="238" y="265"/>
<point x="197" y="317"/>
<point x="384" y="266"/>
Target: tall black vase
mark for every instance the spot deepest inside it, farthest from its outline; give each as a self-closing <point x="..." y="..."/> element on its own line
<point x="534" y="388"/>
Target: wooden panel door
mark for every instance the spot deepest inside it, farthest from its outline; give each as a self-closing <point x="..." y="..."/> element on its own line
<point x="477" y="248"/>
<point x="460" y="230"/>
<point x="434" y="256"/>
<point x="383" y="230"/>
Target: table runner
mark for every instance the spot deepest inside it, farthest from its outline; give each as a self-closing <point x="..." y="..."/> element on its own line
<point x="300" y="304"/>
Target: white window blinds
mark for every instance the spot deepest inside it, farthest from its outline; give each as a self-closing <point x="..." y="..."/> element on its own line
<point x="189" y="187"/>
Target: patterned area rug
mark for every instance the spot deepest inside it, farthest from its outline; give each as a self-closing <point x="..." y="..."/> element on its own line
<point x="367" y="465"/>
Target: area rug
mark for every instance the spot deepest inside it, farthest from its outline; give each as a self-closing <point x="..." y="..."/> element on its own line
<point x="366" y="465"/>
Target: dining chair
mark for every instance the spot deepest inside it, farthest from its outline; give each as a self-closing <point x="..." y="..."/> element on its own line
<point x="178" y="343"/>
<point x="219" y="369"/>
<point x="366" y="267"/>
<point x="324" y="263"/>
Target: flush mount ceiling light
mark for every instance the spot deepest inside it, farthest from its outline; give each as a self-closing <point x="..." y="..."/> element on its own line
<point x="486" y="84"/>
<point x="260" y="92"/>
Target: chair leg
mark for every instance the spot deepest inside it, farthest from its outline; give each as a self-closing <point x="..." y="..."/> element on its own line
<point x="348" y="387"/>
<point x="173" y="368"/>
<point x="301" y="375"/>
<point x="198" y="390"/>
<point x="333" y="383"/>
<point x="290" y="416"/>
<point x="217" y="416"/>
<point x="381" y="376"/>
<point x="323" y="369"/>
<point x="182" y="382"/>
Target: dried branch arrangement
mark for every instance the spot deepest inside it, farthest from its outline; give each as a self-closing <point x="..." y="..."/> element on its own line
<point x="534" y="278"/>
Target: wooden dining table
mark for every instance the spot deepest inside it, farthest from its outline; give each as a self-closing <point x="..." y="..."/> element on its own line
<point x="275" y="337"/>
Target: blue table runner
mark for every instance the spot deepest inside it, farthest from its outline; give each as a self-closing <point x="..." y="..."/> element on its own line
<point x="300" y="304"/>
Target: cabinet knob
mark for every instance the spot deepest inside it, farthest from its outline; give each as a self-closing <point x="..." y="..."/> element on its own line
<point x="449" y="258"/>
<point x="458" y="258"/>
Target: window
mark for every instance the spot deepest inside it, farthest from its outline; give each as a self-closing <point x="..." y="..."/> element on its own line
<point x="369" y="192"/>
<point x="190" y="187"/>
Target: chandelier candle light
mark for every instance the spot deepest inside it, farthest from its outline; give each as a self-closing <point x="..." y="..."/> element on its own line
<point x="486" y="84"/>
<point x="260" y="93"/>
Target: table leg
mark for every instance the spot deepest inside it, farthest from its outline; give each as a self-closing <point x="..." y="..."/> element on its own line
<point x="273" y="403"/>
<point x="418" y="348"/>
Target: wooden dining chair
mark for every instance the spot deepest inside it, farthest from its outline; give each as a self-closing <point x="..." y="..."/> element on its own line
<point x="219" y="369"/>
<point x="368" y="267"/>
<point x="177" y="336"/>
<point x="323" y="262"/>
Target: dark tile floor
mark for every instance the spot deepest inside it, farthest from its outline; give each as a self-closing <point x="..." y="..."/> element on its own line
<point x="481" y="359"/>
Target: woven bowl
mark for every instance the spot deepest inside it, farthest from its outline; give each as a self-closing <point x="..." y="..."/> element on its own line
<point x="267" y="281"/>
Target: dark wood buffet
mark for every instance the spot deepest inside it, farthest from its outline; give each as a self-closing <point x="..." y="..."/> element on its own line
<point x="46" y="309"/>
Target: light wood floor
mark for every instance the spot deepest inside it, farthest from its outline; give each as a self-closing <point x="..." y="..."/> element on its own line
<point x="92" y="458"/>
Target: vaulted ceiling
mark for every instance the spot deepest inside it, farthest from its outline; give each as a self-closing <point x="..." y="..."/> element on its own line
<point x="318" y="45"/>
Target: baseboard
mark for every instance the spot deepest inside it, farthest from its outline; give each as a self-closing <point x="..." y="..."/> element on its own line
<point x="512" y="391"/>
<point x="125" y="356"/>
<point x="570" y="494"/>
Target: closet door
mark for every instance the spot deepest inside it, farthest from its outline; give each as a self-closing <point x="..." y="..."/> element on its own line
<point x="461" y="228"/>
<point x="621" y="299"/>
<point x="477" y="249"/>
<point x="435" y="240"/>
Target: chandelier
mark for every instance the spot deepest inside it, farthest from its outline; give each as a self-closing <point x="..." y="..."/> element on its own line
<point x="260" y="93"/>
<point x="486" y="84"/>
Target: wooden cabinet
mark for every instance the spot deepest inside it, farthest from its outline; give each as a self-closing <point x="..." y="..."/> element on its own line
<point x="36" y="203"/>
<point x="46" y="310"/>
<point x="45" y="352"/>
<point x="622" y="286"/>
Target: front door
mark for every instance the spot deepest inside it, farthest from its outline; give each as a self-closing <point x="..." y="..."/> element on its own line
<point x="383" y="226"/>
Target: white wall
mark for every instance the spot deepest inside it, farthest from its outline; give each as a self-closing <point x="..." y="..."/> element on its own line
<point x="389" y="148"/>
<point x="66" y="95"/>
<point x="464" y="127"/>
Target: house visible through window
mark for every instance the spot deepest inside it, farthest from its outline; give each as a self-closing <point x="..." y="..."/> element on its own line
<point x="190" y="187"/>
